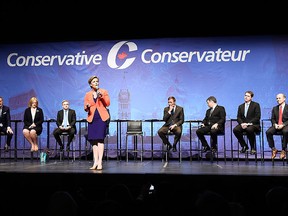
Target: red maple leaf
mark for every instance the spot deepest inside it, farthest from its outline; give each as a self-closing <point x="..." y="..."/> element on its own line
<point x="122" y="55"/>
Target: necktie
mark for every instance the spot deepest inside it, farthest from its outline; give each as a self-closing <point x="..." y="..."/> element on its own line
<point x="172" y="111"/>
<point x="65" y="118"/>
<point x="211" y="111"/>
<point x="246" y="109"/>
<point x="280" y="115"/>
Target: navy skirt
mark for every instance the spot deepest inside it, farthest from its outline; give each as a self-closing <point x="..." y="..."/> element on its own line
<point x="97" y="129"/>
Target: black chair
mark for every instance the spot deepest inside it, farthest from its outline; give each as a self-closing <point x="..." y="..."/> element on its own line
<point x="2" y="134"/>
<point x="212" y="154"/>
<point x="134" y="129"/>
<point x="107" y="148"/>
<point x="280" y="133"/>
<point x="64" y="135"/>
<point x="257" y="134"/>
<point x="106" y="141"/>
<point x="165" y="150"/>
<point x="33" y="155"/>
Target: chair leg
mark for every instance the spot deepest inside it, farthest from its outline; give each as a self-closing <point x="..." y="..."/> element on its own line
<point x="256" y="149"/>
<point x="224" y="149"/>
<point x="164" y="153"/>
<point x="74" y="151"/>
<point x="126" y="145"/>
<point x="106" y="148"/>
<point x="5" y="141"/>
<point x="212" y="155"/>
<point x="61" y="155"/>
<point x="142" y="148"/>
<point x="1" y="147"/>
<point x="180" y="153"/>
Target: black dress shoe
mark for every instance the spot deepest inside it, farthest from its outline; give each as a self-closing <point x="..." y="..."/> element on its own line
<point x="206" y="148"/>
<point x="6" y="148"/>
<point x="244" y="149"/>
<point x="214" y="150"/>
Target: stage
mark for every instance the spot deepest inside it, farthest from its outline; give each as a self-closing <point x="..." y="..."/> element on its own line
<point x="242" y="181"/>
<point x="148" y="167"/>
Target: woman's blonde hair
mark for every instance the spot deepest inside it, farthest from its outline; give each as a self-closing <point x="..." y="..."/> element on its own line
<point x="32" y="99"/>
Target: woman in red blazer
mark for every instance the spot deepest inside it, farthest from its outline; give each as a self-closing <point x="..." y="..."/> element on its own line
<point x="95" y="103"/>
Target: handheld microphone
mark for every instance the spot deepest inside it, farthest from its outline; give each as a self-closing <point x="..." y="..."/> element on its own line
<point x="99" y="94"/>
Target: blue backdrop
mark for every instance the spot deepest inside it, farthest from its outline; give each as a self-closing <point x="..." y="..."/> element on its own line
<point x="141" y="74"/>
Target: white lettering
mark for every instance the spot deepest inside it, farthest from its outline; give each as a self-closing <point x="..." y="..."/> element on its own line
<point x="148" y="56"/>
<point x="16" y="60"/>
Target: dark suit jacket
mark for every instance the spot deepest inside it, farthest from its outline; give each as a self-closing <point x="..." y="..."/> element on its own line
<point x="71" y="118"/>
<point x="253" y="114"/>
<point x="217" y="116"/>
<point x="176" y="118"/>
<point x="5" y="118"/>
<point x="275" y="115"/>
<point x="38" y="120"/>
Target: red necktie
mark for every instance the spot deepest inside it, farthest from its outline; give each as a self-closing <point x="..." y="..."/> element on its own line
<point x="280" y="116"/>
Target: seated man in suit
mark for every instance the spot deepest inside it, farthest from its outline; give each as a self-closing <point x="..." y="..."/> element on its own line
<point x="173" y="115"/>
<point x="5" y="124"/>
<point x="213" y="123"/>
<point x="279" y="121"/>
<point x="66" y="122"/>
<point x="248" y="118"/>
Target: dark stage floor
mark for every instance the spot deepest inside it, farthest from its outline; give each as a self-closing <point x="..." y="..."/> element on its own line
<point x="136" y="172"/>
<point x="147" y="167"/>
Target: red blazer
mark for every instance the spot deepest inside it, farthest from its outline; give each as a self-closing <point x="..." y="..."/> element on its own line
<point x="100" y="105"/>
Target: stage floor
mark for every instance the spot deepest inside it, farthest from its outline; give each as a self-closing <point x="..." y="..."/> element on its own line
<point x="173" y="167"/>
